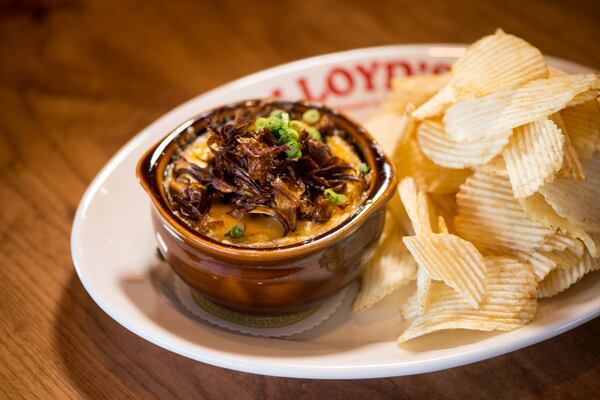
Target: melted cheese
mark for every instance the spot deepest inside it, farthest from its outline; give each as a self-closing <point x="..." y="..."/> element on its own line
<point x="198" y="151"/>
<point x="263" y="231"/>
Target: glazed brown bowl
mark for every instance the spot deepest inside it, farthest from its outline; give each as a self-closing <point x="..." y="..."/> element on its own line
<point x="269" y="280"/>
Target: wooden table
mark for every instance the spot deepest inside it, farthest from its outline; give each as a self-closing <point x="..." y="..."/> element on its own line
<point x="78" y="79"/>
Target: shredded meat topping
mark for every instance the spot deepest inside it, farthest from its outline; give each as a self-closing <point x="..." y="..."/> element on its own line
<point x="250" y="170"/>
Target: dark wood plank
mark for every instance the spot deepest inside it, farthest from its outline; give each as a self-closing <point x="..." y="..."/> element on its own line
<point x="79" y="78"/>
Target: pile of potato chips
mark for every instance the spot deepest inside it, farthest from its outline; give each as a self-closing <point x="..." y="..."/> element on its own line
<point x="499" y="197"/>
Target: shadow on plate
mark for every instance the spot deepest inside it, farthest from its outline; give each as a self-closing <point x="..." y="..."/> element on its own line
<point x="164" y="310"/>
<point x="343" y="331"/>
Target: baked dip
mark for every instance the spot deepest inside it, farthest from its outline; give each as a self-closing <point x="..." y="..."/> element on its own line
<point x="265" y="177"/>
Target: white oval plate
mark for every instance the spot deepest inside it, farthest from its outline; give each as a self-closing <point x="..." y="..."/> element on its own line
<point x="112" y="241"/>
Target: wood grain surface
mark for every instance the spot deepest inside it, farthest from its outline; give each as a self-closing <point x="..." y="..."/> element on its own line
<point x="78" y="79"/>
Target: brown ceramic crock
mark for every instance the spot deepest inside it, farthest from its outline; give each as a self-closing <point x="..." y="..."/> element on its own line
<point x="269" y="280"/>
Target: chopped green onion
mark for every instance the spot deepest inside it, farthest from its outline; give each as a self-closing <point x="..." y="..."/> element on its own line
<point x="282" y="136"/>
<point x="273" y="123"/>
<point x="293" y="150"/>
<point x="363" y="168"/>
<point x="297" y="125"/>
<point x="237" y="232"/>
<point x="335" y="198"/>
<point x="314" y="132"/>
<point x="292" y="133"/>
<point x="260" y="124"/>
<point x="311" y="116"/>
<point x="282" y="115"/>
<point x="287" y="135"/>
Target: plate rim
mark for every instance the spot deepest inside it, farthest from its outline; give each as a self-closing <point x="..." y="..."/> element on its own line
<point x="253" y="364"/>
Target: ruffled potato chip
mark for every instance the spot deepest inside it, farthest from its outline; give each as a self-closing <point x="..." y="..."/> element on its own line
<point x="450" y="259"/>
<point x="561" y="279"/>
<point x="472" y="120"/>
<point x="416" y="205"/>
<point x="490" y="217"/>
<point x="390" y="268"/>
<point x="424" y="284"/>
<point x="442" y="227"/>
<point x="510" y="301"/>
<point x="437" y="104"/>
<point x="566" y="258"/>
<point x="543" y="262"/>
<point x="585" y="97"/>
<point x="422" y="216"/>
<point x="389" y="129"/>
<point x="426" y="85"/>
<point x="430" y="177"/>
<point x="582" y="123"/>
<point x="496" y="167"/>
<point x="445" y="206"/>
<point x="501" y="192"/>
<point x="537" y="208"/>
<point x="495" y="62"/>
<point x="413" y="89"/>
<point x="571" y="167"/>
<point x="397" y="210"/>
<point x="446" y="152"/>
<point x="533" y="156"/>
<point x="559" y="241"/>
<point x="553" y="72"/>
<point x="577" y="201"/>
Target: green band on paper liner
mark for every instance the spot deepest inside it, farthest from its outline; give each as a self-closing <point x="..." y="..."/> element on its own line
<point x="250" y="320"/>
